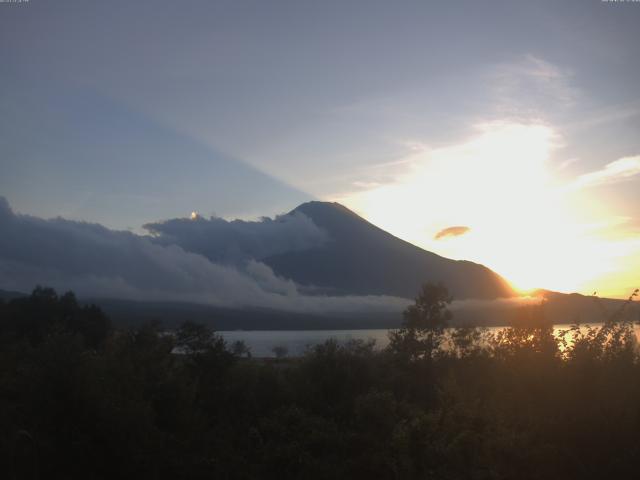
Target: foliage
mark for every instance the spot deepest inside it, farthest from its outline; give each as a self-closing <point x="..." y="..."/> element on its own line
<point x="424" y="323"/>
<point x="79" y="399"/>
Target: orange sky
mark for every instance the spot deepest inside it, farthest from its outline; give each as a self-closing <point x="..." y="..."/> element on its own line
<point x="524" y="219"/>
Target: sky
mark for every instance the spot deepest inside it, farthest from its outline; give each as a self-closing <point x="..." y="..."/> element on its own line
<point x="503" y="132"/>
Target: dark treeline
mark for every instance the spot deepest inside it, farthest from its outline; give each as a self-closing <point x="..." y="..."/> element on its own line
<point x="80" y="399"/>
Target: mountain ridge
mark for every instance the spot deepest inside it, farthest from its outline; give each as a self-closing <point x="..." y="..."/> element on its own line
<point x="363" y="259"/>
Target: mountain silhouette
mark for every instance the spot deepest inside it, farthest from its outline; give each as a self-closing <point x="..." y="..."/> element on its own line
<point x="10" y="294"/>
<point x="363" y="259"/>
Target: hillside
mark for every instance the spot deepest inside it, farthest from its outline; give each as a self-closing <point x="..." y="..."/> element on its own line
<point x="363" y="259"/>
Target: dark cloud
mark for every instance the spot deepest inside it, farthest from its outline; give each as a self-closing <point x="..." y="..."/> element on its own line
<point x="232" y="241"/>
<point x="96" y="261"/>
<point x="451" y="232"/>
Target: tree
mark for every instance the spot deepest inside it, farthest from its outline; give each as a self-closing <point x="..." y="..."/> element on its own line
<point x="44" y="313"/>
<point x="280" y="351"/>
<point x="240" y="349"/>
<point x="194" y="338"/>
<point x="424" y="322"/>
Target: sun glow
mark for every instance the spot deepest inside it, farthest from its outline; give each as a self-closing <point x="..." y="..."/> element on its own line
<point x="522" y="222"/>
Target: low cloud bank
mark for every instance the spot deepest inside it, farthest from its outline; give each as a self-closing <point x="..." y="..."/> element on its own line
<point x="235" y="241"/>
<point x="96" y="261"/>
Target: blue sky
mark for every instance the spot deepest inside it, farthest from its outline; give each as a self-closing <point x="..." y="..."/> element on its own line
<point x="126" y="112"/>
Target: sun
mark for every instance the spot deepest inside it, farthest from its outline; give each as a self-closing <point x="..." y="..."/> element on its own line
<point x="500" y="185"/>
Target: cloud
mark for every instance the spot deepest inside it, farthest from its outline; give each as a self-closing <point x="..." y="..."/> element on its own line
<point x="531" y="86"/>
<point x="613" y="172"/>
<point x="236" y="241"/>
<point x="451" y="232"/>
<point x="95" y="261"/>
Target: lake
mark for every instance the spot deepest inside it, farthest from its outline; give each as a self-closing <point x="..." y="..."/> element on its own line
<point x="262" y="342"/>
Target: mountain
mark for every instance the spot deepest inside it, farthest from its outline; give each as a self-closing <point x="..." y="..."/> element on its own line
<point x="559" y="309"/>
<point x="363" y="259"/>
<point x="10" y="295"/>
<point x="172" y="314"/>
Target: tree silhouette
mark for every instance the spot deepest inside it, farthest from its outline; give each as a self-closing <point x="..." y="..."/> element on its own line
<point x="424" y="322"/>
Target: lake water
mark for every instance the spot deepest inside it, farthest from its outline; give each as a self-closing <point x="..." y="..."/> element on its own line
<point x="262" y="342"/>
